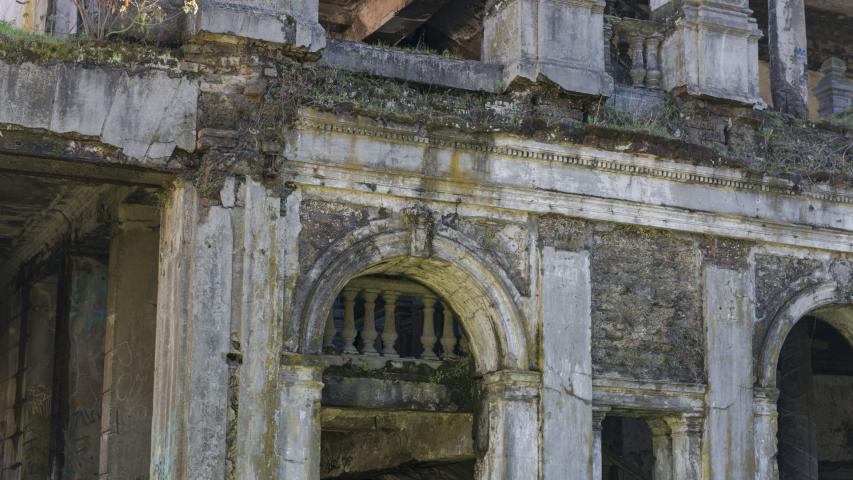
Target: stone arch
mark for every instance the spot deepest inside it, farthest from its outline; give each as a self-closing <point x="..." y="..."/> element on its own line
<point x="819" y="297"/>
<point x="476" y="288"/>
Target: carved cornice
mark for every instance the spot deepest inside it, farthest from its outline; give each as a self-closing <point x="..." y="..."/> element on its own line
<point x="670" y="172"/>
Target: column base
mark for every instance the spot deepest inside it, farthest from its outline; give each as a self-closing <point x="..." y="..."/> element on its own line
<point x="565" y="45"/>
<point x="712" y="52"/>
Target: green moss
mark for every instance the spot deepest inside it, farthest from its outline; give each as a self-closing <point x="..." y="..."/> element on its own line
<point x="19" y="46"/>
<point x="450" y="372"/>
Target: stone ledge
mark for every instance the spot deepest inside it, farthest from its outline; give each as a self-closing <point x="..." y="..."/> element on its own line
<point x="96" y="102"/>
<point x="413" y="67"/>
<point x="258" y="23"/>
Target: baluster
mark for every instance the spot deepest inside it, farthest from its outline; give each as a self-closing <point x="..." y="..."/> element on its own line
<point x="448" y="335"/>
<point x="349" y="333"/>
<point x="638" y="64"/>
<point x="389" y="330"/>
<point x="331" y="331"/>
<point x="368" y="332"/>
<point x="653" y="73"/>
<point x="428" y="336"/>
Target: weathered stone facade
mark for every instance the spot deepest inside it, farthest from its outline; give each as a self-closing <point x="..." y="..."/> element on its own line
<point x="261" y="253"/>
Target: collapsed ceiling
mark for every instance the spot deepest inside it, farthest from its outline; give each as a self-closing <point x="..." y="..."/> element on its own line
<point x="456" y="26"/>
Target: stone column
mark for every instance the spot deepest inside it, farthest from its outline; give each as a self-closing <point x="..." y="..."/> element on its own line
<point x="191" y="376"/>
<point x="508" y="425"/>
<point x="567" y="364"/>
<point x="686" y="446"/>
<point x="298" y="438"/>
<point x="81" y="409"/>
<point x="294" y="22"/>
<point x="129" y="344"/>
<point x="598" y="414"/>
<point x="712" y="49"/>
<point x="662" y="447"/>
<point x="835" y="90"/>
<point x="37" y="377"/>
<point x="789" y="78"/>
<point x="766" y="423"/>
<point x="559" y="40"/>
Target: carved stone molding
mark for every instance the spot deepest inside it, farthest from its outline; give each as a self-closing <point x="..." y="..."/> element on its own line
<point x="587" y="160"/>
<point x="421" y="224"/>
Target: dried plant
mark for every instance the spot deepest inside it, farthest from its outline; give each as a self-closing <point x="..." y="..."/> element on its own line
<point x="104" y="18"/>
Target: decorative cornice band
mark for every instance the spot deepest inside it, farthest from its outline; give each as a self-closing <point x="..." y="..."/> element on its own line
<point x="779" y="187"/>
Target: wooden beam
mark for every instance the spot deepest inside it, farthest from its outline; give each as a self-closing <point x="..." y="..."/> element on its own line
<point x="371" y="15"/>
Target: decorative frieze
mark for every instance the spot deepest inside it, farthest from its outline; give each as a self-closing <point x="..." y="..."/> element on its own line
<point x="586" y="160"/>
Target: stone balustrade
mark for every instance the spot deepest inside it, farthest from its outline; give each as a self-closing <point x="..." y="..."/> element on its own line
<point x="423" y="325"/>
<point x="636" y="45"/>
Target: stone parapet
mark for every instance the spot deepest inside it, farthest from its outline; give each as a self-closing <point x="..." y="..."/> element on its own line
<point x="560" y="40"/>
<point x="293" y="22"/>
<point x="413" y="67"/>
<point x="712" y="50"/>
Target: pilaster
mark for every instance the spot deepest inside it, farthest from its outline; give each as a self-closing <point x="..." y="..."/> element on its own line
<point x="766" y="424"/>
<point x="560" y="40"/>
<point x="191" y="376"/>
<point x="598" y="415"/>
<point x="686" y="446"/>
<point x="129" y="344"/>
<point x="662" y="448"/>
<point x="509" y="424"/>
<point x="298" y="436"/>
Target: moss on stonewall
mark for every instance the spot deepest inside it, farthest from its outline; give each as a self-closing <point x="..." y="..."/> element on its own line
<point x="18" y="46"/>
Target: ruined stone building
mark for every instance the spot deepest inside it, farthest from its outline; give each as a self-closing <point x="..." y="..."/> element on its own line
<point x="427" y="240"/>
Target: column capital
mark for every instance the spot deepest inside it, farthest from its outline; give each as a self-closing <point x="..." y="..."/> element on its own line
<point x="764" y="401"/>
<point x="521" y="385"/>
<point x="599" y="413"/>
<point x="429" y="301"/>
<point x="658" y="426"/>
<point x="688" y="423"/>
<point x="307" y="377"/>
<point x="370" y="294"/>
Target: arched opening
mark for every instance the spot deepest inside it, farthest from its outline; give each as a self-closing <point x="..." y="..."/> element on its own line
<point x="420" y="396"/>
<point x="815" y="382"/>
<point x="390" y="334"/>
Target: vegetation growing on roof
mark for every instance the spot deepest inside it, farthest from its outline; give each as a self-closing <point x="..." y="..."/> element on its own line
<point x="19" y="46"/>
